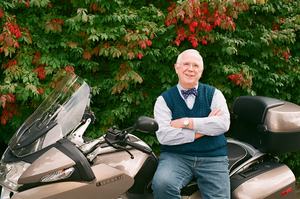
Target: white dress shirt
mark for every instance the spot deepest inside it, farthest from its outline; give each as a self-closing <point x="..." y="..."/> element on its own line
<point x="210" y="126"/>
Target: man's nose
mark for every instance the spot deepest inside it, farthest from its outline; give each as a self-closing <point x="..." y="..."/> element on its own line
<point x="190" y="67"/>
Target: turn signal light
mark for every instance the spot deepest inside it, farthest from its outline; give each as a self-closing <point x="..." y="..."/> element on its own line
<point x="286" y="191"/>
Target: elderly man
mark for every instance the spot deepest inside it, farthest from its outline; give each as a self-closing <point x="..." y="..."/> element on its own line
<point x="192" y="118"/>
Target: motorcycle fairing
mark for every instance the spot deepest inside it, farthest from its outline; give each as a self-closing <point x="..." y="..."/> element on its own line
<point x="83" y="170"/>
<point x="49" y="162"/>
<point x="63" y="154"/>
<point x="82" y="164"/>
<point x="141" y="168"/>
<point x="109" y="183"/>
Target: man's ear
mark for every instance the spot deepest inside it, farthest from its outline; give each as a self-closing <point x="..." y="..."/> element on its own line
<point x="201" y="71"/>
<point x="176" y="67"/>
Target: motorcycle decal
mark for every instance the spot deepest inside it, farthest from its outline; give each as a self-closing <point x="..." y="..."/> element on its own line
<point x="108" y="181"/>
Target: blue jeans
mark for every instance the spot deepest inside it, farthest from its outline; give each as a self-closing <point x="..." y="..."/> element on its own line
<point x="175" y="171"/>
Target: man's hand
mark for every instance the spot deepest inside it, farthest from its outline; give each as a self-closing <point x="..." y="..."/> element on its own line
<point x="215" y="112"/>
<point x="198" y="135"/>
<point x="178" y="123"/>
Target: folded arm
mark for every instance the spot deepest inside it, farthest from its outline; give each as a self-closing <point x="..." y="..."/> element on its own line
<point x="172" y="132"/>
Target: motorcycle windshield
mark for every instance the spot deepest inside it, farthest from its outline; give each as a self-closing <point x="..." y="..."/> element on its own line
<point x="57" y="115"/>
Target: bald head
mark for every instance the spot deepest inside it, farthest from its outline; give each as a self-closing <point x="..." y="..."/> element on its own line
<point x="200" y="60"/>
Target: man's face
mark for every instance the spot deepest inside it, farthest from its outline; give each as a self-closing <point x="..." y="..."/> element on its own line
<point x="189" y="69"/>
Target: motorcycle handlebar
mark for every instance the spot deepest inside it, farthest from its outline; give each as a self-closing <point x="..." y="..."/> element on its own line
<point x="139" y="147"/>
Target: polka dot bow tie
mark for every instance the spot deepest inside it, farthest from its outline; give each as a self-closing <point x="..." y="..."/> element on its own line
<point x="186" y="93"/>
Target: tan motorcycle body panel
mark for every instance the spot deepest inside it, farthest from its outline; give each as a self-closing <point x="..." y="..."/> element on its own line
<point x="51" y="161"/>
<point x="283" y="118"/>
<point x="109" y="184"/>
<point x="268" y="185"/>
<point x="121" y="160"/>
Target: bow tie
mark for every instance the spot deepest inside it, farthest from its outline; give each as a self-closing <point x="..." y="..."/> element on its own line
<point x="186" y="93"/>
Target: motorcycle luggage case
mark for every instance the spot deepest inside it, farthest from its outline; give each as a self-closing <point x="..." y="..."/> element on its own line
<point x="267" y="180"/>
<point x="270" y="125"/>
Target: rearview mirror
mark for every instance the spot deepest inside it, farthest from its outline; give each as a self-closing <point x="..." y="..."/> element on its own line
<point x="146" y="124"/>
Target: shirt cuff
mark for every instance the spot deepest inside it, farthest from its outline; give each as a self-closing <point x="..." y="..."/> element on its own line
<point x="189" y="135"/>
<point x="199" y="124"/>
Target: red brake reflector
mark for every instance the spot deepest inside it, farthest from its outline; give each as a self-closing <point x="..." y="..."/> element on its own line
<point x="286" y="191"/>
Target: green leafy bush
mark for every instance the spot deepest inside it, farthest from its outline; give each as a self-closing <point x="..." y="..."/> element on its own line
<point x="126" y="51"/>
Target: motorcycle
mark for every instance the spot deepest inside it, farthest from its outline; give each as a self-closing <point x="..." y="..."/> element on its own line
<point x="49" y="157"/>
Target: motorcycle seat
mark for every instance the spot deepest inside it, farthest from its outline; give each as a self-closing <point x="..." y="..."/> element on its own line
<point x="237" y="154"/>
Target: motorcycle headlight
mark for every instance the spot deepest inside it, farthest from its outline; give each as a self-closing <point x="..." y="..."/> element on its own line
<point x="11" y="172"/>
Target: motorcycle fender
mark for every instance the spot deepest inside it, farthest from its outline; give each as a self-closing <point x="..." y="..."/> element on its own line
<point x="272" y="184"/>
<point x="51" y="161"/>
<point x="109" y="184"/>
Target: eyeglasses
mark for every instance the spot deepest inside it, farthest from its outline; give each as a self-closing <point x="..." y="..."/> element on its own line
<point x="188" y="65"/>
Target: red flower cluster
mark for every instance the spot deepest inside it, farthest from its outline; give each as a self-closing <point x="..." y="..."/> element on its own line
<point x="9" y="30"/>
<point x="285" y="54"/>
<point x="41" y="90"/>
<point x="240" y="80"/>
<point x="204" y="41"/>
<point x="276" y="25"/>
<point x="26" y="4"/>
<point x="7" y="98"/>
<point x="69" y="68"/>
<point x="94" y="6"/>
<point x="14" y="29"/>
<point x="54" y="21"/>
<point x="8" y="106"/>
<point x="139" y="55"/>
<point x="1" y="13"/>
<point x="144" y="44"/>
<point x="193" y="40"/>
<point x="181" y="35"/>
<point x="41" y="71"/>
<point x="281" y="20"/>
<point x="202" y="18"/>
<point x="171" y="8"/>
<point x="9" y="64"/>
<point x="124" y="67"/>
<point x="36" y="58"/>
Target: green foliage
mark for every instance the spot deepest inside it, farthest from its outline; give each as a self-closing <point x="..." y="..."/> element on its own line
<point x="126" y="51"/>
